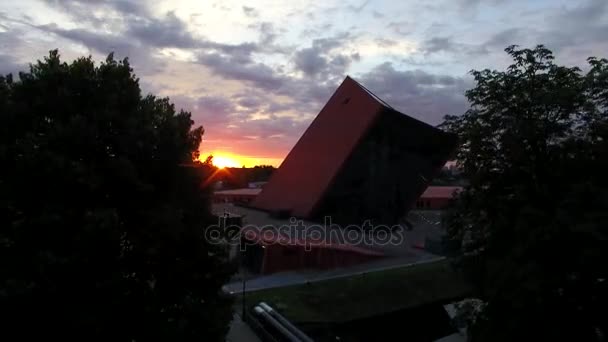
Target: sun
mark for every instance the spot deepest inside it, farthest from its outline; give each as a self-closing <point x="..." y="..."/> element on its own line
<point x="224" y="161"/>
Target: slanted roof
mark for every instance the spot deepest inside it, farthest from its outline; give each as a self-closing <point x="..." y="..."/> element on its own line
<point x="307" y="171"/>
<point x="324" y="156"/>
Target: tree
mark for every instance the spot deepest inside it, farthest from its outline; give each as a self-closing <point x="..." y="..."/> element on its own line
<point x="101" y="218"/>
<point x="533" y="219"/>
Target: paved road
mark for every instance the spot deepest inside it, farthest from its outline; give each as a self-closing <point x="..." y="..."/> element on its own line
<point x="240" y="331"/>
<point x="297" y="278"/>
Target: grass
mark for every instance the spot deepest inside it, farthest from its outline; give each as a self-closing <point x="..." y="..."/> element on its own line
<point x="354" y="297"/>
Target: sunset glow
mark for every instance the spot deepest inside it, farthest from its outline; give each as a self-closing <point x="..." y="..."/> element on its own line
<point x="256" y="73"/>
<point x="223" y="161"/>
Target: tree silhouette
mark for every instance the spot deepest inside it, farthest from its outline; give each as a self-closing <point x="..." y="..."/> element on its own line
<point x="533" y="220"/>
<point x="101" y="223"/>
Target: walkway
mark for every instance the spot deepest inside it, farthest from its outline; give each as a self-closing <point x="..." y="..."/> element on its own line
<point x="240" y="332"/>
<point x="297" y="278"/>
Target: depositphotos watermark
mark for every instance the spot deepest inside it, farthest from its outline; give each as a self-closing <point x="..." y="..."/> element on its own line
<point x="306" y="235"/>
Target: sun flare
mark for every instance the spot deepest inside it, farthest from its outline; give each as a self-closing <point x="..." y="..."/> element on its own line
<point x="224" y="161"/>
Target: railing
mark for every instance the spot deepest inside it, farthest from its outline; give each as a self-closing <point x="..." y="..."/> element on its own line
<point x="279" y="324"/>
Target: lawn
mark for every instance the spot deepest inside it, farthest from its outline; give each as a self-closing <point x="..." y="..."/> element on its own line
<point x="354" y="297"/>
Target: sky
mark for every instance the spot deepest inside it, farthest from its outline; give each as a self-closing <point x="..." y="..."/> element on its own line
<point x="254" y="74"/>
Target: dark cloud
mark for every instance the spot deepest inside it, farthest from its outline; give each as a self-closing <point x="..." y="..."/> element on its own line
<point x="358" y="9"/>
<point x="215" y="106"/>
<point x="584" y="24"/>
<point x="259" y="74"/>
<point x="377" y="14"/>
<point x="268" y="34"/>
<point x="316" y="31"/>
<point x="402" y="28"/>
<point x="319" y="59"/>
<point x="104" y="43"/>
<point x="310" y="61"/>
<point x="568" y="31"/>
<point x="250" y="12"/>
<point x="417" y="93"/>
<point x="168" y="31"/>
<point x="512" y="36"/>
<point x="238" y="53"/>
<point x="449" y="45"/>
<point x="590" y="11"/>
<point x="85" y="10"/>
<point x="249" y="102"/>
<point x="140" y="56"/>
<point x="468" y="4"/>
<point x="439" y="44"/>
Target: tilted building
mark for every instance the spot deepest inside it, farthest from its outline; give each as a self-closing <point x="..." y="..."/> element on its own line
<point x="359" y="159"/>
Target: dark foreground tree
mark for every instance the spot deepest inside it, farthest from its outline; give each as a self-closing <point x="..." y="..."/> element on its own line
<point x="534" y="220"/>
<point x="101" y="219"/>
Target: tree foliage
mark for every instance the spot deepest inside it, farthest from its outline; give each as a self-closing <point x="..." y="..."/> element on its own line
<point x="101" y="221"/>
<point x="533" y="220"/>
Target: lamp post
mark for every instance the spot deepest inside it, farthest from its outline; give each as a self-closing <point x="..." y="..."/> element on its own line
<point x="244" y="284"/>
<point x="244" y="275"/>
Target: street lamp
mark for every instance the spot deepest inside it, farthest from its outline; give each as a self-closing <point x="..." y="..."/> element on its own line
<point x="244" y="275"/>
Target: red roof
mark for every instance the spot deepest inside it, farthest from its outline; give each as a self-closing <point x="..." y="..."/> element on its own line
<point x="309" y="168"/>
<point x="355" y="123"/>
<point x="441" y="192"/>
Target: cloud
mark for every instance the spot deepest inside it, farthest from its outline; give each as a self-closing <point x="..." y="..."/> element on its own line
<point x="104" y="43"/>
<point x="448" y="45"/>
<point x="572" y="32"/>
<point x="588" y="12"/>
<point x="266" y="79"/>
<point x="168" y="31"/>
<point x="417" y="93"/>
<point x="123" y="6"/>
<point x="473" y="4"/>
<point x="140" y="56"/>
<point x="250" y="12"/>
<point x="495" y="44"/>
<point x="268" y="34"/>
<point x="512" y="36"/>
<point x="439" y="44"/>
<point x="258" y="74"/>
<point x="377" y="15"/>
<point x="321" y="60"/>
<point x="97" y="13"/>
<point x="584" y="24"/>
<point x="358" y="9"/>
<point x="402" y="28"/>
